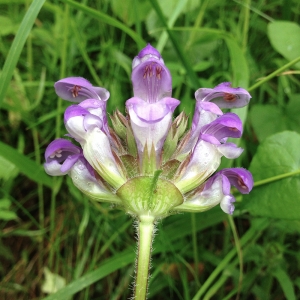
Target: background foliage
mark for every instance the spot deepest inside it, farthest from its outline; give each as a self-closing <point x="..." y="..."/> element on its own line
<point x="57" y="244"/>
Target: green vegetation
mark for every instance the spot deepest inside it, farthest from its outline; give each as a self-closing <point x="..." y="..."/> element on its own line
<point x="56" y="243"/>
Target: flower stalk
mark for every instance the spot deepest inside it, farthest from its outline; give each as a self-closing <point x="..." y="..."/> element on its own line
<point x="145" y="238"/>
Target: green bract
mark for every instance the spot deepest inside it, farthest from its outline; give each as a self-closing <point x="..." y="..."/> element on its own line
<point x="149" y="196"/>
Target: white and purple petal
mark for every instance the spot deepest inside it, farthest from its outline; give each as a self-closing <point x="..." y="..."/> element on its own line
<point x="204" y="161"/>
<point x="230" y="150"/>
<point x="150" y="122"/>
<point x="83" y="177"/>
<point x="60" y="156"/>
<point x="79" y="121"/>
<point x="97" y="151"/>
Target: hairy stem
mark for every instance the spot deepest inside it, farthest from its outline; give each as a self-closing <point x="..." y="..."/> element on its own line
<point x="145" y="237"/>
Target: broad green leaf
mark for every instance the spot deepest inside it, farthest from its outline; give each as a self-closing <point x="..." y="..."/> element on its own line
<point x="262" y="118"/>
<point x="25" y="165"/>
<point x="284" y="37"/>
<point x="279" y="154"/>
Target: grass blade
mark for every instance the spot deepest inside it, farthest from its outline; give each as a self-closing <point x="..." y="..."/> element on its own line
<point x="17" y="46"/>
<point x="26" y="166"/>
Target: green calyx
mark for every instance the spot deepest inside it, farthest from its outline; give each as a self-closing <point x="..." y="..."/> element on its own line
<point x="149" y="196"/>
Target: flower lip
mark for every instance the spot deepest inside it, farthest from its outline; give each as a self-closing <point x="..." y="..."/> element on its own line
<point x="227" y="125"/>
<point x="60" y="157"/>
<point x="240" y="178"/>
<point x="77" y="89"/>
<point x="151" y="80"/>
<point x="151" y="112"/>
<point x="224" y="95"/>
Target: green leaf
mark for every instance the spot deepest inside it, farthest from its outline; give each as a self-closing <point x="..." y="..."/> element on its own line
<point x="108" y="20"/>
<point x="109" y="266"/>
<point x="240" y="72"/>
<point x="5" y="213"/>
<point x="27" y="166"/>
<point x="53" y="282"/>
<point x="7" y="26"/>
<point x="277" y="155"/>
<point x="286" y="283"/>
<point x="238" y="63"/>
<point x="284" y="37"/>
<point x="17" y="46"/>
<point x="8" y="169"/>
<point x="124" y="10"/>
<point x="262" y="118"/>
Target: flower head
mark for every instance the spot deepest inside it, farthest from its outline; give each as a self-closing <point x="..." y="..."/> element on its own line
<point x="148" y="163"/>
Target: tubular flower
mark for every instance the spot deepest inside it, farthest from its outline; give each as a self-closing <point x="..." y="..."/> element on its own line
<point x="148" y="163"/>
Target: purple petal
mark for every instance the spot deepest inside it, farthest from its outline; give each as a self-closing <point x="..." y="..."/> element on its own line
<point x="79" y="122"/>
<point x="151" y="112"/>
<point x="150" y="77"/>
<point x="240" y="178"/>
<point x="224" y="95"/>
<point x="205" y="112"/>
<point x="97" y="108"/>
<point x="77" y="89"/>
<point x="69" y="162"/>
<point x="227" y="125"/>
<point x="74" y="111"/>
<point x="60" y="156"/>
<point x="225" y="198"/>
<point x="148" y="50"/>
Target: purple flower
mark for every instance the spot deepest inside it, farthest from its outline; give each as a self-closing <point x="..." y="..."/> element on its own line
<point x="120" y="164"/>
<point x="224" y="95"/>
<point x="60" y="157"/>
<point x="216" y="190"/>
<point x="151" y="108"/>
<point x="77" y="89"/>
<point x="205" y="158"/>
<point x="79" y="122"/>
<point x="90" y="131"/>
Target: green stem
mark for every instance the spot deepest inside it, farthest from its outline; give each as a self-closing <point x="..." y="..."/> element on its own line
<point x="277" y="177"/>
<point x="195" y="247"/>
<point x="145" y="237"/>
<point x="270" y="76"/>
